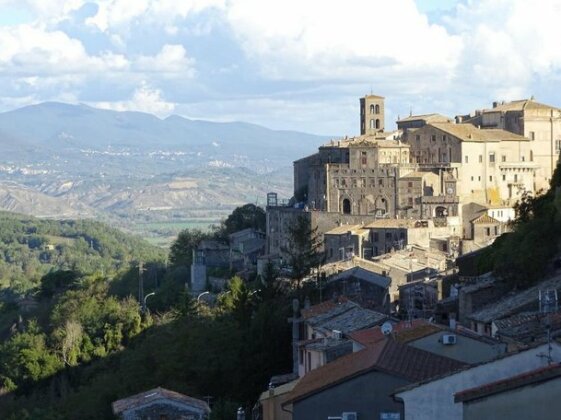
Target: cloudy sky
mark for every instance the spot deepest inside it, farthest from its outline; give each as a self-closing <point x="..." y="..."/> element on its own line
<point x="290" y="64"/>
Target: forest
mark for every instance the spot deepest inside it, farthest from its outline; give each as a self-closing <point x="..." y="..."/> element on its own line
<point x="86" y="341"/>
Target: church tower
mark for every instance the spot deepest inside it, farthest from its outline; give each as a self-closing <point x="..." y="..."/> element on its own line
<point x="371" y="114"/>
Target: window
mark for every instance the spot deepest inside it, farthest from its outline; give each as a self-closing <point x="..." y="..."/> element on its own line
<point x="532" y="135"/>
<point x="375" y="237"/>
<point x="372" y="109"/>
<point x="504" y="177"/>
<point x="466" y="159"/>
<point x="433" y="137"/>
<point x="558" y="146"/>
<point x="491" y="178"/>
<point x="503" y="158"/>
<point x="381" y="182"/>
<point x="479" y="178"/>
<point x="488" y="231"/>
<point x="418" y="138"/>
<point x="480" y="158"/>
<point x="377" y="109"/>
<point x="409" y="184"/>
<point x="523" y="158"/>
<point x="515" y="177"/>
<point x="372" y="124"/>
<point x="377" y="124"/>
<point x="363" y="158"/>
<point x="410" y="201"/>
<point x="491" y="157"/>
<point x="472" y="178"/>
<point x="444" y="137"/>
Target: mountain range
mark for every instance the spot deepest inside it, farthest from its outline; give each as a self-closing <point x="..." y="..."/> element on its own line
<point x="62" y="160"/>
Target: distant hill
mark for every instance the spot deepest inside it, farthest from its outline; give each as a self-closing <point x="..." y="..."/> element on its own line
<point x="61" y="160"/>
<point x="52" y="128"/>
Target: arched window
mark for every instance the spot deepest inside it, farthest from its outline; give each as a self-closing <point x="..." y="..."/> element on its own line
<point x="377" y="124"/>
<point x="372" y="124"/>
<point x="346" y="206"/>
<point x="372" y="109"/>
<point x="377" y="109"/>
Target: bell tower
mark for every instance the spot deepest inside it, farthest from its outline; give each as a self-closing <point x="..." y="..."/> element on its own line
<point x="371" y="114"/>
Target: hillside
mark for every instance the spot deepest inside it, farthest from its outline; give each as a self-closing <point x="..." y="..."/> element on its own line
<point x="137" y="171"/>
<point x="30" y="248"/>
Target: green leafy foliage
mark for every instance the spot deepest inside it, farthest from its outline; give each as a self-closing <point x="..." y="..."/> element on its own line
<point x="303" y="249"/>
<point x="523" y="256"/>
<point x="31" y="248"/>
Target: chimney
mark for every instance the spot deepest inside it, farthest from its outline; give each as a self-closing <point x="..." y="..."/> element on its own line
<point x="459" y="119"/>
<point x="453" y="321"/>
<point x="495" y="104"/>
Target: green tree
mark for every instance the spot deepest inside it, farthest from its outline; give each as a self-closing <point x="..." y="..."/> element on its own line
<point x="303" y="250"/>
<point x="246" y="216"/>
<point x="181" y="251"/>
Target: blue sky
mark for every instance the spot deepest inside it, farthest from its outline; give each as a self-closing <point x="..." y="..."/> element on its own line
<point x="295" y="65"/>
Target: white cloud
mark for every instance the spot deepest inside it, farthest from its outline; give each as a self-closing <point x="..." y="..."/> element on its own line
<point x="172" y="59"/>
<point x="33" y="50"/>
<point x="144" y="99"/>
<point x="355" y="39"/>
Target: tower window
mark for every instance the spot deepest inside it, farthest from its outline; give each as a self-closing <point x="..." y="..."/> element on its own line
<point x="372" y="109"/>
<point x="377" y="109"/>
<point x="377" y="124"/>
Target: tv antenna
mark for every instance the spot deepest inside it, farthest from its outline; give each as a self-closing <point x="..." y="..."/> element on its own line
<point x="548" y="303"/>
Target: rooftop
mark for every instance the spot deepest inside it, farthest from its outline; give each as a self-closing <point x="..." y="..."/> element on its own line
<point x="527" y="378"/>
<point x="394" y="223"/>
<point x="485" y="219"/>
<point x="403" y="332"/>
<point x="362" y="274"/>
<point x="470" y="133"/>
<point x="515" y="303"/>
<point x="426" y="117"/>
<point x="143" y="398"/>
<point x="519" y="105"/>
<point x="370" y="140"/>
<point x="387" y="356"/>
<point x="343" y="229"/>
<point x="323" y="307"/>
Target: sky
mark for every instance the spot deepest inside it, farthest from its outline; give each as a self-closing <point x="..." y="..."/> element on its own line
<point x="291" y="64"/>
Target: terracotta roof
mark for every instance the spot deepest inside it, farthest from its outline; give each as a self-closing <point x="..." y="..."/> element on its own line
<point x="387" y="356"/>
<point x="527" y="378"/>
<point x="485" y="219"/>
<point x="528" y="327"/>
<point x="415" y="175"/>
<point x="519" y="105"/>
<point x="402" y="332"/>
<point x="393" y="223"/>
<point x="362" y="274"/>
<point x="343" y="229"/>
<point x="426" y="117"/>
<point x="323" y="307"/>
<point x="470" y="133"/>
<point x="510" y="305"/>
<point x="159" y="393"/>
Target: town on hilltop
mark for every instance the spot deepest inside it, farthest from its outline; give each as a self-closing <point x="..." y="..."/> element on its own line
<point x="406" y="325"/>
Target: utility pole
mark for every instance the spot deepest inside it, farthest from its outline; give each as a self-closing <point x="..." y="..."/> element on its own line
<point x="141" y="271"/>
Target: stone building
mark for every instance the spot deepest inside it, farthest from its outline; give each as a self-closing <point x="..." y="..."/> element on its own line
<point x="538" y="122"/>
<point x="489" y="166"/>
